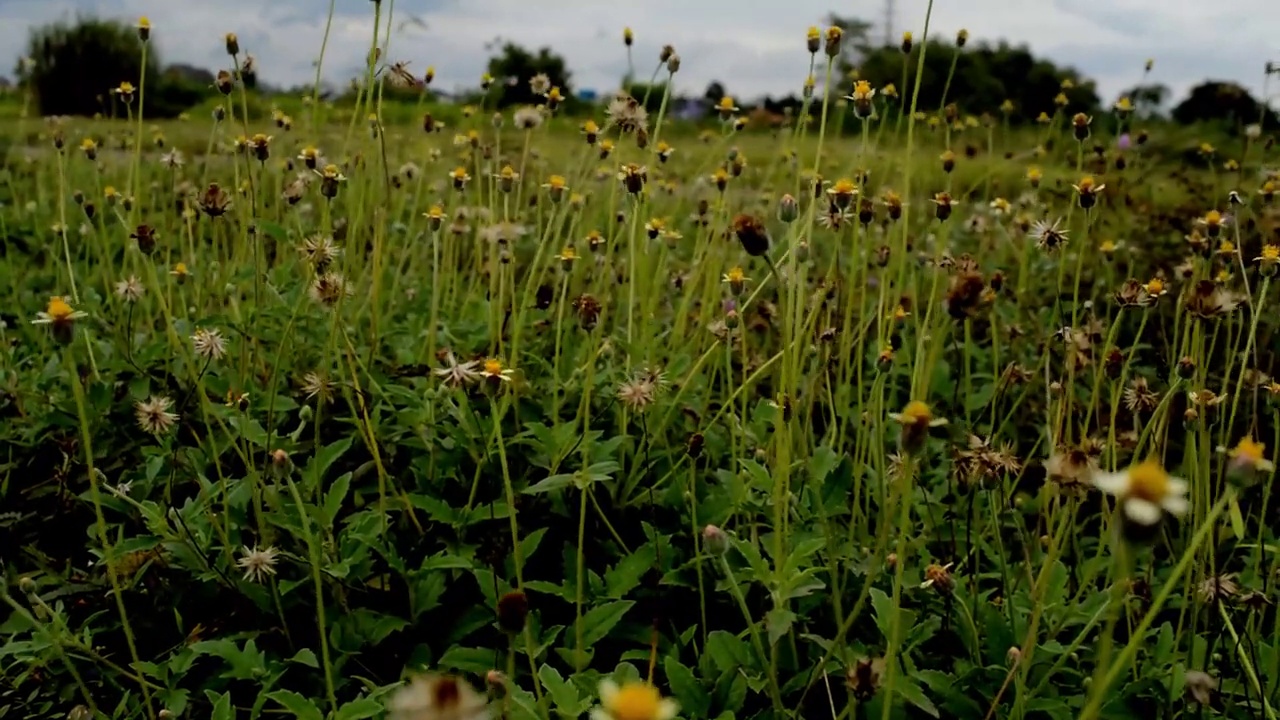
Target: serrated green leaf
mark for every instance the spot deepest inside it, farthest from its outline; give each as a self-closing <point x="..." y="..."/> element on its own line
<point x="598" y="621"/>
<point x="778" y="622"/>
<point x="221" y="703"/>
<point x="564" y="696"/>
<point x="912" y="693"/>
<point x="360" y="709"/>
<point x="693" y="698"/>
<point x="299" y="706"/>
<point x="465" y="659"/>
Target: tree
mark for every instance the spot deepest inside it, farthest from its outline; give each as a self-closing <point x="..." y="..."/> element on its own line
<point x="514" y="66"/>
<point x="985" y="76"/>
<point x="1222" y="102"/>
<point x="1148" y="100"/>
<point x="75" y="65"/>
<point x="715" y="91"/>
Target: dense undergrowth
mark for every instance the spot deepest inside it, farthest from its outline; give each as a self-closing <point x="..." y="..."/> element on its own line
<point x="776" y="423"/>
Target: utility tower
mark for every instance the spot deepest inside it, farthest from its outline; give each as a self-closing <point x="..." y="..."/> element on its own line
<point x="888" y="23"/>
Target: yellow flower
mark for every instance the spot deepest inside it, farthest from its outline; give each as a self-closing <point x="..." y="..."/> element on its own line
<point x="1155" y="287"/>
<point x="1146" y="492"/>
<point x="635" y="700"/>
<point x="1250" y="454"/>
<point x="58" y="312"/>
<point x="492" y="369"/>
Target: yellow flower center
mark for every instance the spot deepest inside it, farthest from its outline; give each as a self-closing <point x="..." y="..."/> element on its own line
<point x="180" y="269"/>
<point x="1155" y="286"/>
<point x="726" y="103"/>
<point x="917" y="412"/>
<point x="736" y="275"/>
<point x="331" y="172"/>
<point x="843" y="187"/>
<point x="1213" y="217"/>
<point x="1271" y="252"/>
<point x="1107" y="246"/>
<point x="1227" y="248"/>
<point x="59" y="310"/>
<point x="1148" y="481"/>
<point x="492" y="367"/>
<point x="143" y="22"/>
<point x="814" y="33"/>
<point x="635" y="701"/>
<point x="1249" y="449"/>
<point x="556" y="181"/>
<point x="568" y="254"/>
<point x="436" y="212"/>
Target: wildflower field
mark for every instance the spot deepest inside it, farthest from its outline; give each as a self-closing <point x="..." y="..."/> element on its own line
<point x="396" y="409"/>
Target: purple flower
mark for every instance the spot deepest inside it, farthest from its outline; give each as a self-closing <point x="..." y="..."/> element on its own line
<point x="1123" y="142"/>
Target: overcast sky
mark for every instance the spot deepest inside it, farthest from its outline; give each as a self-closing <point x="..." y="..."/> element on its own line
<point x="755" y="47"/>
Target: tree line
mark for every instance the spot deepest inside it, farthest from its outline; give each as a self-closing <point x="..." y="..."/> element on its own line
<point x="72" y="65"/>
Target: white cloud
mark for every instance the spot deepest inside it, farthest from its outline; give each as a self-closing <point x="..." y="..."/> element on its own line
<point x="754" y="48"/>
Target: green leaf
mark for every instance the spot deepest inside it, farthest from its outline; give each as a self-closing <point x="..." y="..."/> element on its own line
<point x="822" y="462"/>
<point x="555" y="482"/>
<point x="627" y="574"/>
<point x="778" y="622"/>
<point x="597" y="623"/>
<point x="324" y="459"/>
<point x="728" y="651"/>
<point x="882" y="609"/>
<point x="472" y="660"/>
<point x="694" y="700"/>
<point x="301" y="708"/>
<point x="221" y="706"/>
<point x="563" y="693"/>
<point x="359" y="709"/>
<point x="307" y="657"/>
<point x="909" y="690"/>
<point x="334" y="498"/>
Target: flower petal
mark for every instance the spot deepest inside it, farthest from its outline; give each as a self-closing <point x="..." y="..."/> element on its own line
<point x="1178" y="486"/>
<point x="1111" y="483"/>
<point x="667" y="709"/>
<point x="608" y="692"/>
<point x="1175" y="505"/>
<point x="1142" y="512"/>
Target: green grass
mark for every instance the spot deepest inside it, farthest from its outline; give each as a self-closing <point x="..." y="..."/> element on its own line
<point x="733" y="491"/>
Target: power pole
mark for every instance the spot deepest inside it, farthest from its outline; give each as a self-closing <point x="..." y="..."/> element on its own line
<point x="888" y="22"/>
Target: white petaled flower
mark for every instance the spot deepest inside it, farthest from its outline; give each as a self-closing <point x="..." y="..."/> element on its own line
<point x="258" y="564"/>
<point x="172" y="159"/>
<point x="634" y="700"/>
<point x="1145" y="492"/>
<point x="209" y="344"/>
<point x="437" y="697"/>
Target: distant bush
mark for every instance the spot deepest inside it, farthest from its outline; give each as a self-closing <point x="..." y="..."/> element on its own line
<point x="76" y="64"/>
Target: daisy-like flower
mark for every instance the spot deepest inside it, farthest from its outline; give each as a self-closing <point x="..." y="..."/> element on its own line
<point x="1087" y="191"/>
<point x="60" y="317"/>
<point x="493" y="372"/>
<point x="153" y="415"/>
<point x="209" y="344"/>
<point x="1248" y="460"/>
<point x="257" y="564"/>
<point x="634" y="700"/>
<point x="437" y="697"/>
<point x="1146" y="492"/>
<point x="172" y="160"/>
<point x="916" y="420"/>
<point x="736" y="279"/>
